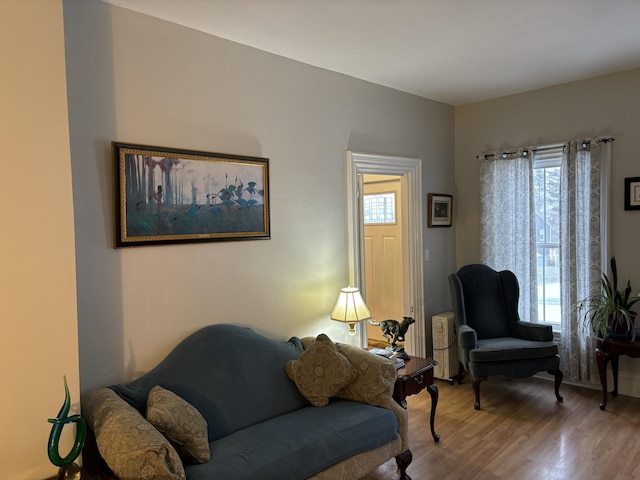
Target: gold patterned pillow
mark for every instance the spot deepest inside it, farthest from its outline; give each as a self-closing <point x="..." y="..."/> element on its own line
<point x="129" y="444"/>
<point x="321" y="371"/>
<point x="181" y="423"/>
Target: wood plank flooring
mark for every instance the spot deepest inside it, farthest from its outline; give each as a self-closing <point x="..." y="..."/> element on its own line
<point x="521" y="433"/>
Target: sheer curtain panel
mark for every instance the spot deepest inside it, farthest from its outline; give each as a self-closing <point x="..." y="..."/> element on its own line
<point x="508" y="235"/>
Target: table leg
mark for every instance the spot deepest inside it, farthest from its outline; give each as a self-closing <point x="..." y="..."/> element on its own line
<point x="601" y="359"/>
<point x="433" y="391"/>
<point x="614" y="367"/>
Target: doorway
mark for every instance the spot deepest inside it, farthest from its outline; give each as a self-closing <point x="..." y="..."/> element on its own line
<point x="383" y="257"/>
<point x="409" y="173"/>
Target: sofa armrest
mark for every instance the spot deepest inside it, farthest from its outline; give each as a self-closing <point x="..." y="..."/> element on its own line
<point x="373" y="384"/>
<point x="131" y="446"/>
<point x="540" y="332"/>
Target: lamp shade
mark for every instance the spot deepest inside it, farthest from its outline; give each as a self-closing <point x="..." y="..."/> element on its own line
<point x="350" y="307"/>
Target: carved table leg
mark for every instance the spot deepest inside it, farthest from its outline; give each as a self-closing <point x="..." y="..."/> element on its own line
<point x="614" y="367"/>
<point x="433" y="391"/>
<point x="403" y="460"/>
<point x="601" y="359"/>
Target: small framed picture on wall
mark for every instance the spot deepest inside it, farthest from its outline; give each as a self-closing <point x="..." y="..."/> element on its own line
<point x="632" y="193"/>
<point x="440" y="210"/>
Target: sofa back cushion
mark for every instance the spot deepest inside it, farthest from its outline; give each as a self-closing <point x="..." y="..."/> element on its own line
<point x="234" y="376"/>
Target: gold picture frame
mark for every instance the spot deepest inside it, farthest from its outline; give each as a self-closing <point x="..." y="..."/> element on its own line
<point x="165" y="196"/>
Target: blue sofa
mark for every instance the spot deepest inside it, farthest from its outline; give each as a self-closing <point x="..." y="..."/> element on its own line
<point x="258" y="424"/>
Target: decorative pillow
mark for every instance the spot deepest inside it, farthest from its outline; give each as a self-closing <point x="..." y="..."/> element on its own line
<point x="132" y="448"/>
<point x="181" y="423"/>
<point x="376" y="377"/>
<point x="321" y="371"/>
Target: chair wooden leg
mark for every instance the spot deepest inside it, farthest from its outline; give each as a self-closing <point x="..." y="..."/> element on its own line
<point x="460" y="373"/>
<point x="476" y="389"/>
<point x="403" y="460"/>
<point x="558" y="375"/>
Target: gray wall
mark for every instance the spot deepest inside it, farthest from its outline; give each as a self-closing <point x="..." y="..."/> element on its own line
<point x="598" y="106"/>
<point x="137" y="79"/>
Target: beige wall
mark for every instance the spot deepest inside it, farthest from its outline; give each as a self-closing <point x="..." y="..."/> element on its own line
<point x="38" y="343"/>
<point x="137" y="79"/>
<point x="603" y="105"/>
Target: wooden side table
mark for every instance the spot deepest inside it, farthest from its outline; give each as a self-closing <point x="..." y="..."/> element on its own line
<point x="415" y="376"/>
<point x="611" y="349"/>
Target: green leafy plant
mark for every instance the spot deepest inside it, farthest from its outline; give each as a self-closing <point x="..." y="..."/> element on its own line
<point x="609" y="308"/>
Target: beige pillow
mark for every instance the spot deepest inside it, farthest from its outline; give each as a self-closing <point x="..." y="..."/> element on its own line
<point x="321" y="371"/>
<point x="181" y="423"/>
<point x="131" y="446"/>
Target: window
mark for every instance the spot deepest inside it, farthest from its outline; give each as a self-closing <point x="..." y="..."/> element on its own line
<point x="379" y="208"/>
<point x="546" y="193"/>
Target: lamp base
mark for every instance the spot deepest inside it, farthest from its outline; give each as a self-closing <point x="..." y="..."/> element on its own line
<point x="352" y="337"/>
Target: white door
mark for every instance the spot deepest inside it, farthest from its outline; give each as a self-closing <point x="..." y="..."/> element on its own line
<point x="382" y="218"/>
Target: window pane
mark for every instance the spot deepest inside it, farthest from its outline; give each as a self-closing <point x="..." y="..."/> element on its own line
<point x="548" y="284"/>
<point x="379" y="208"/>
<point x="547" y="223"/>
<point x="546" y="183"/>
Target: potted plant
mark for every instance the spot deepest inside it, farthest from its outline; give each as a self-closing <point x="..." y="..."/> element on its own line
<point x="611" y="308"/>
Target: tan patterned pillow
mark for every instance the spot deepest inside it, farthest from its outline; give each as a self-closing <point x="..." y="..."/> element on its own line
<point x="181" y="423"/>
<point x="321" y="371"/>
<point x="130" y="445"/>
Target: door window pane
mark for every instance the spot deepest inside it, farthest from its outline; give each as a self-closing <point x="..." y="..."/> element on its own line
<point x="379" y="208"/>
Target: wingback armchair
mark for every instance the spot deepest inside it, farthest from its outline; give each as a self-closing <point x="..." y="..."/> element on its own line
<point x="492" y="340"/>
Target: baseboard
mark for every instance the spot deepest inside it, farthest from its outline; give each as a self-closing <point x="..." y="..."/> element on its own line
<point x="628" y="383"/>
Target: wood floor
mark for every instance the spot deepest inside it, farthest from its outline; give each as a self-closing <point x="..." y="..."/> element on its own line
<point x="521" y="433"/>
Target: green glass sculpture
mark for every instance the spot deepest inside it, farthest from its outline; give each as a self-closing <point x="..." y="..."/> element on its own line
<point x="58" y="423"/>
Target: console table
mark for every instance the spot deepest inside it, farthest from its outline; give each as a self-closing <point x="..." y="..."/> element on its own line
<point x="415" y="376"/>
<point x="611" y="349"/>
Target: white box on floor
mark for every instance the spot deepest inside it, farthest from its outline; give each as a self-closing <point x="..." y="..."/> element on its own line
<point x="445" y="346"/>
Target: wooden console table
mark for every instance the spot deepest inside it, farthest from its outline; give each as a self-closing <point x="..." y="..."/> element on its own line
<point x="415" y="376"/>
<point x="611" y="349"/>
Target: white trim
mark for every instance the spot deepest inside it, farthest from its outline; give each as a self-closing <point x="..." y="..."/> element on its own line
<point x="628" y="384"/>
<point x="410" y="169"/>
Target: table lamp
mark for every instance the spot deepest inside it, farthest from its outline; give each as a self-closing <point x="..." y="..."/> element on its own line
<point x="351" y="309"/>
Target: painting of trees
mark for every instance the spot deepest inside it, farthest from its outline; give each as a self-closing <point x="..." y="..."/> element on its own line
<point x="167" y="196"/>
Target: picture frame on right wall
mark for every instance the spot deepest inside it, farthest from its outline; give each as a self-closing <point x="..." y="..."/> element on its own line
<point x="440" y="207"/>
<point x="632" y="193"/>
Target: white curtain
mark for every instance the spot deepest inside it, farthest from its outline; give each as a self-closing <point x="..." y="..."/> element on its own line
<point x="583" y="245"/>
<point x="508" y="236"/>
<point x="507" y="224"/>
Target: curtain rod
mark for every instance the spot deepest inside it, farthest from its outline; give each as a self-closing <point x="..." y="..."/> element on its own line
<point x="543" y="148"/>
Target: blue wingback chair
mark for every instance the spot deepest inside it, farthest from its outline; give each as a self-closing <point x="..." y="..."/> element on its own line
<point x="492" y="340"/>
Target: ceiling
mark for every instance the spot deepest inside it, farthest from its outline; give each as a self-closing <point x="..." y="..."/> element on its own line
<point x="453" y="51"/>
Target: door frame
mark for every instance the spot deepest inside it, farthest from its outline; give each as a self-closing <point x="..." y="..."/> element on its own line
<point x="410" y="171"/>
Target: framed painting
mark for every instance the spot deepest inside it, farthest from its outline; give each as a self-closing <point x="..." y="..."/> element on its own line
<point x="165" y="196"/>
<point x="632" y="193"/>
<point x="440" y="210"/>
